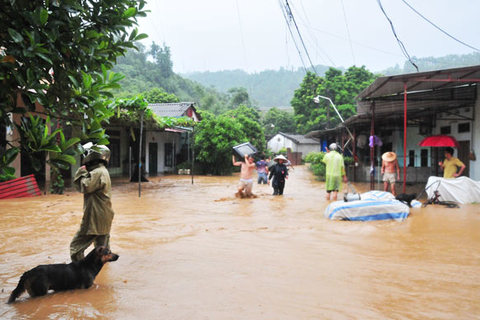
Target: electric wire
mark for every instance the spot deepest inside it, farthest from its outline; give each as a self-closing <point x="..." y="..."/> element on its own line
<point x="292" y="18"/>
<point x="440" y="29"/>
<point x="293" y="37"/>
<point x="241" y="34"/>
<point x="312" y="37"/>
<point x="400" y="43"/>
<point x="348" y="31"/>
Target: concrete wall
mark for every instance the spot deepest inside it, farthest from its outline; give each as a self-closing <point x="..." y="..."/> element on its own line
<point x="475" y="140"/>
<point x="161" y="138"/>
<point x="279" y="141"/>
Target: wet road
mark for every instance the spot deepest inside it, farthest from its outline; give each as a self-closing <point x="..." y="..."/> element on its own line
<point x="196" y="252"/>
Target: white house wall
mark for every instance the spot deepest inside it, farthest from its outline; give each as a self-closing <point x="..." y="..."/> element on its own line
<point x="278" y="142"/>
<point x="413" y="139"/>
<point x="161" y="138"/>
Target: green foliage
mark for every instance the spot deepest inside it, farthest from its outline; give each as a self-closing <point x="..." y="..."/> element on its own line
<point x="58" y="184"/>
<point x="249" y="119"/>
<point x="267" y="88"/>
<point x="316" y="163"/>
<point x="237" y="97"/>
<point x="143" y="74"/>
<point x="37" y="142"/>
<point x="214" y="138"/>
<point x="158" y="95"/>
<point x="436" y="63"/>
<point x="275" y="121"/>
<point x="55" y="52"/>
<point x="341" y="88"/>
<point x="6" y="158"/>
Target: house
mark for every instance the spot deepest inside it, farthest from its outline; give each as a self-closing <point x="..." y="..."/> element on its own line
<point x="165" y="149"/>
<point x="162" y="149"/>
<point x="295" y="142"/>
<point x="401" y="110"/>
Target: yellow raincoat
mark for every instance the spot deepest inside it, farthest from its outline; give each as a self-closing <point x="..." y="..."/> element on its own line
<point x="335" y="169"/>
<point x="97" y="207"/>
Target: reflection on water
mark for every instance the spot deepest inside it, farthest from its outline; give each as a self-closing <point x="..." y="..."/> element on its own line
<point x="195" y="251"/>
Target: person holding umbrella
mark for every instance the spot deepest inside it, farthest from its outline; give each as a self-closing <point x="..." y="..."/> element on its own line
<point x="451" y="164"/>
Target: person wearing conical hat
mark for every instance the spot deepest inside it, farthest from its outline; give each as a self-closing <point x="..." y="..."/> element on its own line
<point x="279" y="173"/>
<point x="389" y="168"/>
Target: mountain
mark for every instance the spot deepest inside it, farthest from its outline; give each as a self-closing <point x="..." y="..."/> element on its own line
<point x="269" y="88"/>
<point x="275" y="87"/>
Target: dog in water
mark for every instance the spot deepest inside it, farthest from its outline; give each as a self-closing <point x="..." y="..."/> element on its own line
<point x="60" y="277"/>
<point x="406" y="198"/>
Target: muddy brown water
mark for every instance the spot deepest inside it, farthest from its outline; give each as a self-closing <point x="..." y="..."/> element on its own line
<point x="196" y="252"/>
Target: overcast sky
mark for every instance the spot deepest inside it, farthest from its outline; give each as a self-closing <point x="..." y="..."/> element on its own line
<point x="212" y="35"/>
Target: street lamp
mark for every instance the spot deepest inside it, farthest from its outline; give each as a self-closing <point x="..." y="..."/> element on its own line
<point x="317" y="100"/>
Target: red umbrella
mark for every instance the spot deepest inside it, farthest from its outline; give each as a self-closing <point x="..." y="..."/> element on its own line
<point x="439" y="141"/>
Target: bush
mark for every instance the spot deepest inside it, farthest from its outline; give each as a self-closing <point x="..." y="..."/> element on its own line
<point x="316" y="164"/>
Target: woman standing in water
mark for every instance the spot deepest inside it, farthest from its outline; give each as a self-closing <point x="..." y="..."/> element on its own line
<point x="279" y="172"/>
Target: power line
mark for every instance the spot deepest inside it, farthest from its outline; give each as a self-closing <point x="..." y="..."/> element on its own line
<point x="440" y="29"/>
<point x="292" y="18"/>
<point x="400" y="43"/>
<point x="314" y="40"/>
<point x="348" y="31"/>
<point x="293" y="37"/>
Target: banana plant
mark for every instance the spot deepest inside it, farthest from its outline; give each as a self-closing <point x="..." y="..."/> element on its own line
<point x="69" y="149"/>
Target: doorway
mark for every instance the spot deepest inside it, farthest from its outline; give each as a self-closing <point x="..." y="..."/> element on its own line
<point x="464" y="156"/>
<point x="152" y="158"/>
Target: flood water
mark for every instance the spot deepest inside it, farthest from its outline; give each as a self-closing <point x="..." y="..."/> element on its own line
<point x="196" y="252"/>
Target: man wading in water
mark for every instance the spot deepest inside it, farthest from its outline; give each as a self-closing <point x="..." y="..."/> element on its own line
<point x="246" y="176"/>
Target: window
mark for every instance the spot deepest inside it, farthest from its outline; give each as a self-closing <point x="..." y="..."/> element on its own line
<point x="424" y="158"/>
<point x="445" y="130"/>
<point x="464" y="127"/>
<point x="168" y="154"/>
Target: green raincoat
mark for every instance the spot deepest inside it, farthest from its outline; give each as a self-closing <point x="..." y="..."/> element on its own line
<point x="97" y="207"/>
<point x="335" y="169"/>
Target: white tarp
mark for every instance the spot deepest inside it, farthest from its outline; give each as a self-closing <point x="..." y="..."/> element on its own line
<point x="461" y="189"/>
<point x="374" y="205"/>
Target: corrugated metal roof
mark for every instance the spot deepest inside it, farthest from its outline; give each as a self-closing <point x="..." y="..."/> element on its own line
<point x="448" y="88"/>
<point x="421" y="81"/>
<point x="176" y="110"/>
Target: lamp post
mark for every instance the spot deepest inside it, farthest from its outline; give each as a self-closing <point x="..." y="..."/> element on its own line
<point x="317" y="100"/>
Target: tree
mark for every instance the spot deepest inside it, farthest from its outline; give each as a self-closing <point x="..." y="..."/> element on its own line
<point x="239" y="96"/>
<point x="158" y="95"/>
<point x="58" y="53"/>
<point x="163" y="58"/>
<point x="341" y="88"/>
<point x="214" y="139"/>
<point x="249" y="119"/>
<point x="276" y="120"/>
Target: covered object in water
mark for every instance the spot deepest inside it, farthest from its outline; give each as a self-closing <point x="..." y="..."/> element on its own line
<point x="461" y="189"/>
<point x="374" y="205"/>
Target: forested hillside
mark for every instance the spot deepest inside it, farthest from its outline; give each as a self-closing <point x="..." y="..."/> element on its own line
<point x="269" y="88"/>
<point x="275" y="88"/>
<point x="152" y="68"/>
<point x="431" y="63"/>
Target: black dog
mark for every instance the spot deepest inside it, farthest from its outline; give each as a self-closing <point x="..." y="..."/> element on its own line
<point x="60" y="277"/>
<point x="406" y="198"/>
